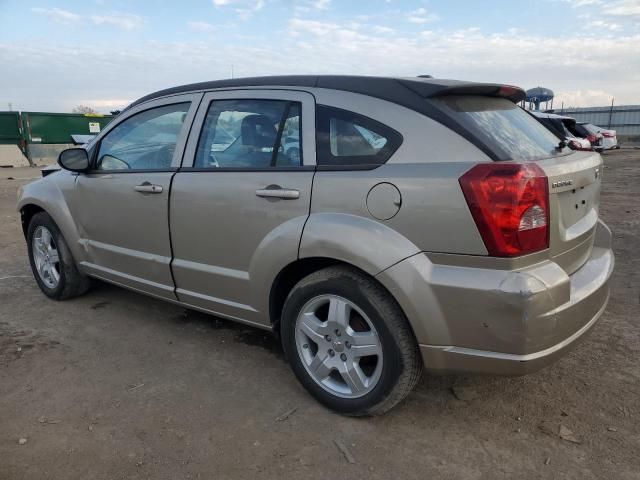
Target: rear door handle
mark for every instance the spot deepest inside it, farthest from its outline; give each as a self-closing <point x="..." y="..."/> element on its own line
<point x="147" y="187"/>
<point x="277" y="192"/>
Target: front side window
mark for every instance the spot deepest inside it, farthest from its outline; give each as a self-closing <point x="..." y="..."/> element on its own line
<point x="348" y="139"/>
<point x="145" y="141"/>
<point x="250" y="134"/>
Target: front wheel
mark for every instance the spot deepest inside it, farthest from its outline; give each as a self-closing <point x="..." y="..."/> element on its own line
<point x="349" y="343"/>
<point x="51" y="261"/>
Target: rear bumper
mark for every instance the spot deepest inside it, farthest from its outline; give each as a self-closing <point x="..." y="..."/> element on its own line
<point x="609" y="143"/>
<point x="460" y="359"/>
<point x="509" y="322"/>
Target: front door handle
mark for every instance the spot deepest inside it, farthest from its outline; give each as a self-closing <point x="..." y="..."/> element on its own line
<point x="274" y="191"/>
<point x="146" y="187"/>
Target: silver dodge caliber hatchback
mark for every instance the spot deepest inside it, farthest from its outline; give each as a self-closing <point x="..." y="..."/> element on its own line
<point x="378" y="225"/>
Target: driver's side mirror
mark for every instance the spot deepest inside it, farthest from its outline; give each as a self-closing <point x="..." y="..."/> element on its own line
<point x="74" y="159"/>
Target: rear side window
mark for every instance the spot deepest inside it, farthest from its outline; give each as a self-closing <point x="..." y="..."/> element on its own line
<point x="349" y="139"/>
<point x="510" y="132"/>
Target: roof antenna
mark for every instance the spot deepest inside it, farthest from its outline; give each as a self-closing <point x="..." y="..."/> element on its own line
<point x="425" y="76"/>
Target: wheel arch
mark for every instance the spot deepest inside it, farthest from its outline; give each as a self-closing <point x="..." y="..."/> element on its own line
<point x="27" y="211"/>
<point x="52" y="202"/>
<point x="292" y="273"/>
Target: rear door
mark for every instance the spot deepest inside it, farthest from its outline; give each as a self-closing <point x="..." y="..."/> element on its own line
<point x="121" y="206"/>
<point x="240" y="201"/>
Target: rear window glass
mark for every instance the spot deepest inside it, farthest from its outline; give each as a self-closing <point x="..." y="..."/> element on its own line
<point x="510" y="132"/>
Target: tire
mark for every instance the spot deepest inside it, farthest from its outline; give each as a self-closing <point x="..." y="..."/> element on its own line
<point x="70" y="282"/>
<point x="368" y="306"/>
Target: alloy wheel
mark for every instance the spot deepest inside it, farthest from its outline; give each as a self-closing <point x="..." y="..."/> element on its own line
<point x="46" y="257"/>
<point x="339" y="346"/>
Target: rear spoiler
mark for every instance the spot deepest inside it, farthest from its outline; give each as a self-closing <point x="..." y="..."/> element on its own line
<point x="510" y="92"/>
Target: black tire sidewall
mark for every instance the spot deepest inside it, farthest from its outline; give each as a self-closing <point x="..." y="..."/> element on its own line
<point x="44" y="220"/>
<point x="356" y="292"/>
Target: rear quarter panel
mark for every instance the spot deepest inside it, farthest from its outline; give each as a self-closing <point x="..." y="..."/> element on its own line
<point x="433" y="214"/>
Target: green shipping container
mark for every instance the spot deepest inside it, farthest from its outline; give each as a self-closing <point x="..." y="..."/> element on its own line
<point x="42" y="127"/>
<point x="10" y="128"/>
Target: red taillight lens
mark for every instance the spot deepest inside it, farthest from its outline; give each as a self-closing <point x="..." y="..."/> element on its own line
<point x="591" y="138"/>
<point x="510" y="205"/>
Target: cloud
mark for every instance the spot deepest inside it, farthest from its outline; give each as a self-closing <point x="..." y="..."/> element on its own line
<point x="57" y="14"/>
<point x="106" y="103"/>
<point x="382" y="29"/>
<point x="606" y="65"/>
<point x="621" y="10"/>
<point x="601" y="24"/>
<point x="581" y="98"/>
<point x="200" y="26"/>
<point x="243" y="8"/>
<point x="583" y="3"/>
<point x="421" y="16"/>
<point x="320" y="4"/>
<point x="124" y="21"/>
<point x="312" y="26"/>
<point x="624" y="8"/>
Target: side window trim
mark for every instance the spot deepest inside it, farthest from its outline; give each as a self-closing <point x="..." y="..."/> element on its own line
<point x="307" y="125"/>
<point x="194" y="99"/>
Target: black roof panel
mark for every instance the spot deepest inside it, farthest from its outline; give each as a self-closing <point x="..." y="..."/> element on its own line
<point x="404" y="91"/>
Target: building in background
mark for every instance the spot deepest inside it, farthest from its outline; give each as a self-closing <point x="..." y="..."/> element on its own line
<point x="624" y="119"/>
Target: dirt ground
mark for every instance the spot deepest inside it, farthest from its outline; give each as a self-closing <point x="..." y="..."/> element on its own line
<point x="118" y="385"/>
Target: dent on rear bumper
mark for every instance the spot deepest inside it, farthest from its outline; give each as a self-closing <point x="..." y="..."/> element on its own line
<point x="500" y="321"/>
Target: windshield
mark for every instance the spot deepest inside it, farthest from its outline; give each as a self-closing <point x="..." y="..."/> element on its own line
<point x="510" y="132"/>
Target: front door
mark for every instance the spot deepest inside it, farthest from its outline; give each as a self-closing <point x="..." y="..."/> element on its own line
<point x="239" y="204"/>
<point x="122" y="205"/>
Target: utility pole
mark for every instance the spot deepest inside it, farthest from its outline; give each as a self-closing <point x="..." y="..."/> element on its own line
<point x="10" y="107"/>
<point x="232" y="70"/>
<point x="610" y="114"/>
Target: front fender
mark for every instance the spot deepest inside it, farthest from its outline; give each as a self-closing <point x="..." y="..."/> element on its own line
<point x="51" y="194"/>
<point x="362" y="242"/>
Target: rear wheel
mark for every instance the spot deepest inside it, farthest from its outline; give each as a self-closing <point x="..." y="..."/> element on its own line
<point x="349" y="343"/>
<point x="51" y="261"/>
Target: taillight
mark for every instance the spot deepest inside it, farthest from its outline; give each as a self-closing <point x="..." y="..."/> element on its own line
<point x="510" y="204"/>
<point x="591" y="138"/>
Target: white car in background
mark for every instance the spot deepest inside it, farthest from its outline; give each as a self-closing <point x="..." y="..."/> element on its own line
<point x="564" y="128"/>
<point x="609" y="139"/>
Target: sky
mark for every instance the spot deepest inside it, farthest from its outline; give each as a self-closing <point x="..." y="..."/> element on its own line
<point x="55" y="55"/>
